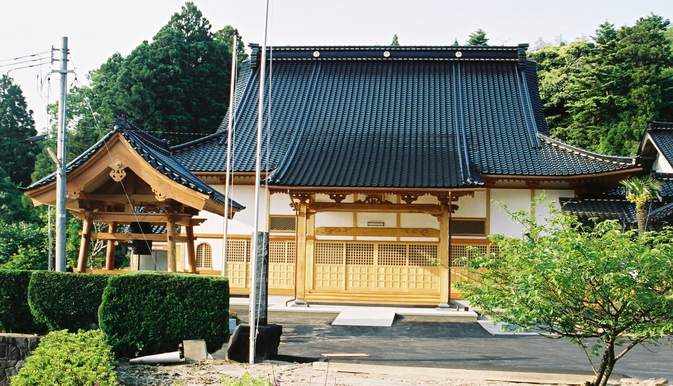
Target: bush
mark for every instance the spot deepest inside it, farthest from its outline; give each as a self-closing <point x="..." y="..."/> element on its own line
<point x="150" y="313"/>
<point x="61" y="358"/>
<point x="15" y="313"/>
<point x="66" y="300"/>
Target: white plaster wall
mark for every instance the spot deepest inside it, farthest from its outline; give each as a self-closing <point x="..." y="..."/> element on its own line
<point x="418" y="220"/>
<point x="280" y="204"/>
<point x="515" y="199"/>
<point x="390" y="219"/>
<point x="334" y="219"/>
<point x="661" y="164"/>
<point x="471" y="206"/>
<point x="542" y="210"/>
<point x="242" y="224"/>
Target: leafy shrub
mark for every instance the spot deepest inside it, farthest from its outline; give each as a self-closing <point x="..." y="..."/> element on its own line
<point x="84" y="358"/>
<point x="15" y="313"/>
<point x="66" y="300"/>
<point x="150" y="313"/>
<point x="246" y="380"/>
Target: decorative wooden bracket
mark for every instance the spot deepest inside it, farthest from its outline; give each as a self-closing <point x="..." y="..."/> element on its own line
<point x="409" y="197"/>
<point x="159" y="196"/>
<point x="77" y="194"/>
<point x="337" y="197"/>
<point x="117" y="174"/>
<point x="373" y="199"/>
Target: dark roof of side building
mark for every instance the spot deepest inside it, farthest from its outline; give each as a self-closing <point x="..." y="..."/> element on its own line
<point x="153" y="150"/>
<point x="399" y="117"/>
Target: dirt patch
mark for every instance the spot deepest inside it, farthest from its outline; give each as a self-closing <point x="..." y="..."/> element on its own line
<point x="291" y="374"/>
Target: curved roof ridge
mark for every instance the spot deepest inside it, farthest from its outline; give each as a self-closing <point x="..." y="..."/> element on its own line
<point x="586" y="153"/>
<point x="197" y="141"/>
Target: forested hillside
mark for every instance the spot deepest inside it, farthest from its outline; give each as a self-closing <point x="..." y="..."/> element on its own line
<point x="599" y="94"/>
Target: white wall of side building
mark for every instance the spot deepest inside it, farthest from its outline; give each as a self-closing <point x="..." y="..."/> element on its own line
<point x="500" y="221"/>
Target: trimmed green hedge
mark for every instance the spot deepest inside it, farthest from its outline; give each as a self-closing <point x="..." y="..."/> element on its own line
<point x="15" y="313"/>
<point x="150" y="313"/>
<point x="66" y="300"/>
<point x="69" y="359"/>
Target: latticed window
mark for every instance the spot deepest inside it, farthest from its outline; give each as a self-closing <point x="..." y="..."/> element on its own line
<point x="282" y="224"/>
<point x="468" y="227"/>
<point x="204" y="256"/>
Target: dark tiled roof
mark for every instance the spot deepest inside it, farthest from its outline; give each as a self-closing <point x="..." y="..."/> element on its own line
<point x="599" y="209"/>
<point x="396" y="117"/>
<point x="663" y="138"/>
<point x="153" y="150"/>
<point x="666" y="184"/>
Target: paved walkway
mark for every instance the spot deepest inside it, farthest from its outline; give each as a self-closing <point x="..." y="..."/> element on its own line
<point x="426" y="337"/>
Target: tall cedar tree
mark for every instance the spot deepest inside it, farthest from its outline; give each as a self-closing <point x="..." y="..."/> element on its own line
<point x="176" y="87"/>
<point x="17" y="156"/>
<point x="599" y="95"/>
<point x="477" y="38"/>
<point x="396" y="41"/>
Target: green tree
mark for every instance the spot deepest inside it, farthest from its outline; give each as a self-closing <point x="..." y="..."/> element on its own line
<point x="640" y="191"/>
<point x="603" y="288"/>
<point x="395" y="42"/>
<point x="477" y="38"/>
<point x="616" y="84"/>
<point x="17" y="155"/>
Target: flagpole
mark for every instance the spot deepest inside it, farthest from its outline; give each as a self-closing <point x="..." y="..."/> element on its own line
<point x="258" y="156"/>
<point x="227" y="191"/>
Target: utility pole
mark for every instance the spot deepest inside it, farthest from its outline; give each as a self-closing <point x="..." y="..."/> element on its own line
<point x="61" y="164"/>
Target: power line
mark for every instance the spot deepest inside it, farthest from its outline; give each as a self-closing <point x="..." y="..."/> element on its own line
<point x="23" y="62"/>
<point x="25" y="56"/>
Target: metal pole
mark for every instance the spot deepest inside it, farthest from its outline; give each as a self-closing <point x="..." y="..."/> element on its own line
<point x="258" y="156"/>
<point x="50" y="257"/>
<point x="227" y="191"/>
<point x="60" y="168"/>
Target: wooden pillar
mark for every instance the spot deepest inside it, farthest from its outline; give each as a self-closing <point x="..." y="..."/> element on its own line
<point x="300" y="274"/>
<point x="443" y="255"/>
<point x="83" y="256"/>
<point x="110" y="251"/>
<point x="170" y="236"/>
<point x="191" y="252"/>
<point x="310" y="250"/>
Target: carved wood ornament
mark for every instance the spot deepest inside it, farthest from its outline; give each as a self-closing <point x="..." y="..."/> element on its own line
<point x="117" y="174"/>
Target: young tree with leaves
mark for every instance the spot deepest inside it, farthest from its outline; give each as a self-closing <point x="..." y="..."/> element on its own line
<point x="601" y="287"/>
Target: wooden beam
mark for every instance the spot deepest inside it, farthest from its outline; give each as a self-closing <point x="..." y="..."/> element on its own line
<point x="191" y="253"/>
<point x="300" y="280"/>
<point x="152" y="218"/>
<point x="110" y="251"/>
<point x="383" y="232"/>
<point x="135" y="198"/>
<point x="83" y="256"/>
<point x="382" y="208"/>
<point x="170" y="234"/>
<point x="443" y="256"/>
<point x="135" y="236"/>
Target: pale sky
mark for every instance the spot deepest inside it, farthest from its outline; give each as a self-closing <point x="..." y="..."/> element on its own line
<point x="98" y="29"/>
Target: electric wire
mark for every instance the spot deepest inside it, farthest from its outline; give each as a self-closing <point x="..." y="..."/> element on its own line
<point x="25" y="56"/>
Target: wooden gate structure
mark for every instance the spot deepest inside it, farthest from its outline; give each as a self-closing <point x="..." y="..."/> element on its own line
<point x="130" y="177"/>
